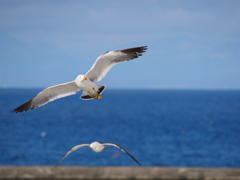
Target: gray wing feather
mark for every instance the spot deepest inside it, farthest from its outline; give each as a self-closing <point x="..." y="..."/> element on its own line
<point x="49" y="94"/>
<point x="115" y="145"/>
<point x="107" y="60"/>
<point x="71" y="150"/>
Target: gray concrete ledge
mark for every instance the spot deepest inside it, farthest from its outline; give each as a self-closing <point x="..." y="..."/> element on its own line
<point x="123" y="173"/>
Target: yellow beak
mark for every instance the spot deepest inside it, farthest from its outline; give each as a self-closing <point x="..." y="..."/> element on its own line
<point x="84" y="78"/>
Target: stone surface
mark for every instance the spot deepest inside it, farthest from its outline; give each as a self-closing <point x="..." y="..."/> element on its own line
<point x="91" y="172"/>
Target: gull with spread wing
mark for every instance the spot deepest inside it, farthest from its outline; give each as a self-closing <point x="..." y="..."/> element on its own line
<point x="97" y="147"/>
<point x="84" y="82"/>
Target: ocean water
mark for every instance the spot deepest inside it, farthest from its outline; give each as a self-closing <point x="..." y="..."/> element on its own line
<point x="158" y="127"/>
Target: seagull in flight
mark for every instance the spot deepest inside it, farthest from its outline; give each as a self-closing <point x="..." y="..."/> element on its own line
<point x="97" y="147"/>
<point x="83" y="82"/>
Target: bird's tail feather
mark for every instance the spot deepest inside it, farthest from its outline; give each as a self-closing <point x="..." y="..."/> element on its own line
<point x="87" y="96"/>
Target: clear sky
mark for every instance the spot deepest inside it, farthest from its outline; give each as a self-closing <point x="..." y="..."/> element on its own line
<point x="193" y="44"/>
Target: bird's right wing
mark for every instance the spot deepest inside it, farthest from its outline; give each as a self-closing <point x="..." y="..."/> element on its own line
<point x="112" y="144"/>
<point x="49" y="94"/>
<point x="107" y="60"/>
<point x="71" y="150"/>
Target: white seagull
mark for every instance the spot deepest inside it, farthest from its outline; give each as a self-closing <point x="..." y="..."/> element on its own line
<point x="84" y="82"/>
<point x="97" y="147"/>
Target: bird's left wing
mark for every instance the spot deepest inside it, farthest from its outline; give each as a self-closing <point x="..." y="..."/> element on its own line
<point x="71" y="150"/>
<point x="115" y="145"/>
<point x="107" y="60"/>
<point x="47" y="95"/>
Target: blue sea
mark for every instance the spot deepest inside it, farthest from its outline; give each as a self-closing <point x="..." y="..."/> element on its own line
<point x="193" y="128"/>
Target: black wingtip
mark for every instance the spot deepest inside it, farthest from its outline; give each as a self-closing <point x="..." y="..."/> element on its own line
<point x="100" y="90"/>
<point x="17" y="110"/>
<point x="24" y="107"/>
<point x="140" y="49"/>
<point x="86" y="97"/>
<point x="135" y="51"/>
<point x="139" y="164"/>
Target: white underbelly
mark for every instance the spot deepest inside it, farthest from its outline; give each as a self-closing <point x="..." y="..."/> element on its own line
<point x="89" y="86"/>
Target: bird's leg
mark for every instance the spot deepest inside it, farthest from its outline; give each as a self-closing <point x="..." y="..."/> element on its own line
<point x="92" y="95"/>
<point x="98" y="96"/>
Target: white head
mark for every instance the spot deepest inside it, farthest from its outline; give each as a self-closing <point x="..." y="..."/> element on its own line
<point x="79" y="79"/>
<point x="96" y="146"/>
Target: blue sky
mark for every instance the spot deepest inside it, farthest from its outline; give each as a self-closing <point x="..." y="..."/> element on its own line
<point x="192" y="44"/>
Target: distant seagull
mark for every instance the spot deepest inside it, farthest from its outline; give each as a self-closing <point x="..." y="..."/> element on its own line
<point x="97" y="147"/>
<point x="84" y="82"/>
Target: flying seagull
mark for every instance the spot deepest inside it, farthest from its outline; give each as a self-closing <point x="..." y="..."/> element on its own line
<point x="84" y="82"/>
<point x="97" y="147"/>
